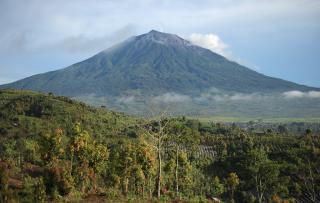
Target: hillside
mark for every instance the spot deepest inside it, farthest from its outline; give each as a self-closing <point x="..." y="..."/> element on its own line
<point x="27" y="113"/>
<point x="54" y="149"/>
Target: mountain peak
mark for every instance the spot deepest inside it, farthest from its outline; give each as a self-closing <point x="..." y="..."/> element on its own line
<point x="158" y="33"/>
<point x="163" y="38"/>
<point x="154" y="31"/>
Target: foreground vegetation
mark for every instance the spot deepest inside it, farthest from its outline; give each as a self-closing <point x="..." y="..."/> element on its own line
<point x="53" y="148"/>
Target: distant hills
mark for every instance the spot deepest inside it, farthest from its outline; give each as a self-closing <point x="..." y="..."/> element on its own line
<point x="163" y="67"/>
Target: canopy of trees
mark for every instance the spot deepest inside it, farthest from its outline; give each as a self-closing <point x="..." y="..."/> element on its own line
<point x="53" y="148"/>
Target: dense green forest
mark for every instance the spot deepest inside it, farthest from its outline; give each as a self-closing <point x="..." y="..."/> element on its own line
<point x="55" y="149"/>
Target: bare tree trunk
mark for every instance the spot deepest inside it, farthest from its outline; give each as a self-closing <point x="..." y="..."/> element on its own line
<point x="126" y="185"/>
<point x="176" y="172"/>
<point x="159" y="169"/>
<point x="149" y="186"/>
<point x="126" y="180"/>
<point x="310" y="184"/>
<point x="71" y="162"/>
<point x="143" y="184"/>
<point x="158" y="135"/>
<point x="258" y="184"/>
<point x="232" y="194"/>
<point x="260" y="191"/>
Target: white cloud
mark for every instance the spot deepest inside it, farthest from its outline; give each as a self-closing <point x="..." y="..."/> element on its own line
<point x="216" y="95"/>
<point x="219" y="96"/>
<point x="244" y="97"/>
<point x="214" y="43"/>
<point x="171" y="97"/>
<point x="293" y="94"/>
<point x="314" y="94"/>
<point x="210" y="41"/>
<point x="235" y="97"/>
<point x="299" y="94"/>
<point x="126" y="99"/>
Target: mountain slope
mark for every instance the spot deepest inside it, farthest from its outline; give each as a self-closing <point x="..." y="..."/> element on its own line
<point x="154" y="63"/>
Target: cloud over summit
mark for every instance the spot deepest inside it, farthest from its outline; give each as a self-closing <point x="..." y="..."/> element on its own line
<point x="210" y="41"/>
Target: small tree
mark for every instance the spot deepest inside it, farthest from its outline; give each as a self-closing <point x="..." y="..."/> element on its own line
<point x="51" y="146"/>
<point x="91" y="157"/>
<point x="308" y="131"/>
<point x="146" y="157"/>
<point x="181" y="137"/>
<point x="156" y="129"/>
<point x="232" y="183"/>
<point x="217" y="188"/>
<point x="263" y="173"/>
<point x="34" y="189"/>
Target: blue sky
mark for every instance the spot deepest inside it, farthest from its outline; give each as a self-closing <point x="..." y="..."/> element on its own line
<point x="279" y="38"/>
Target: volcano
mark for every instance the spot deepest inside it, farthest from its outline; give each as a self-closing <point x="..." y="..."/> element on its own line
<point x="154" y="64"/>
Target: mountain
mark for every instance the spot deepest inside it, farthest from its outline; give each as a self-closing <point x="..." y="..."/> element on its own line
<point x="151" y="65"/>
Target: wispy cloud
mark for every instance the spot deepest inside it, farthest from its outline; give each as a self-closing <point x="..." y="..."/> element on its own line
<point x="208" y="96"/>
<point x="126" y="99"/>
<point x="83" y="43"/>
<point x="171" y="97"/>
<point x="220" y="97"/>
<point x="216" y="95"/>
<point x="299" y="94"/>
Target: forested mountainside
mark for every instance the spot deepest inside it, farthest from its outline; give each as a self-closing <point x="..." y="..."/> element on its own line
<point x="154" y="63"/>
<point x="163" y="67"/>
<point x="54" y="148"/>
